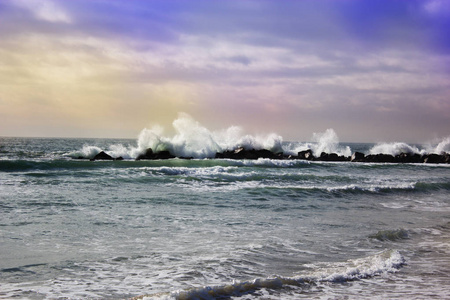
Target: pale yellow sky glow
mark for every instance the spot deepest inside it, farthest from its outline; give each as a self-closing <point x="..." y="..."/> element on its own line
<point x="81" y="85"/>
<point x="72" y="69"/>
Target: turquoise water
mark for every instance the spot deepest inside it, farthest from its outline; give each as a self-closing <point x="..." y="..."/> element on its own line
<point x="217" y="229"/>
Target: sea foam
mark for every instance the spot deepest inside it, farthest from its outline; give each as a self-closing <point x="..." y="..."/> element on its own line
<point x="326" y="141"/>
<point x="396" y="148"/>
<point x="194" y="140"/>
<point x="387" y="261"/>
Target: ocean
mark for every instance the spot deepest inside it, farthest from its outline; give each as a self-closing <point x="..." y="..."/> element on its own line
<point x="210" y="228"/>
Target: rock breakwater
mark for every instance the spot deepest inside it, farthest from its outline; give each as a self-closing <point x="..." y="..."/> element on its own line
<point x="242" y="153"/>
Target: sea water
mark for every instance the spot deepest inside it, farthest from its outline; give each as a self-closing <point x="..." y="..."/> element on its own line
<point x="216" y="228"/>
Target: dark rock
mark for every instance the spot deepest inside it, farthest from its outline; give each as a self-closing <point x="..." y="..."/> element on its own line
<point x="309" y="156"/>
<point x="379" y="158"/>
<point x="357" y="157"/>
<point x="102" y="156"/>
<point x="226" y="154"/>
<point x="331" y="157"/>
<point x="433" y="158"/>
<point x="263" y="153"/>
<point x="343" y="158"/>
<point x="334" y="157"/>
<point x="408" y="158"/>
<point x="324" y="157"/>
<point x="447" y="158"/>
<point x="242" y="153"/>
<point x="163" y="155"/>
<point x="219" y="155"/>
<point x="280" y="155"/>
<point x="402" y="158"/>
<point x="306" y="154"/>
<point x="149" y="154"/>
<point x="386" y="158"/>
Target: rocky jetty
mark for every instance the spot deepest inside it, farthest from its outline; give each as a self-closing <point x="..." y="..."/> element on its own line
<point x="403" y="158"/>
<point x="242" y="153"/>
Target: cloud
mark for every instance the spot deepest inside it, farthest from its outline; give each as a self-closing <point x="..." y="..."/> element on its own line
<point x="270" y="64"/>
<point x="437" y="7"/>
<point x="45" y="10"/>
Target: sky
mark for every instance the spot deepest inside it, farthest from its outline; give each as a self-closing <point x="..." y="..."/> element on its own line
<point x="373" y="70"/>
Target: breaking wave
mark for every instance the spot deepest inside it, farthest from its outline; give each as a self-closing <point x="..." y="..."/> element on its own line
<point x="326" y="141"/>
<point x="387" y="261"/>
<point x="191" y="139"/>
<point x="397" y="148"/>
<point x="194" y="140"/>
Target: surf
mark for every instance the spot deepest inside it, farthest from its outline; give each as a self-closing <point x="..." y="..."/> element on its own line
<point x="387" y="261"/>
<point x="193" y="140"/>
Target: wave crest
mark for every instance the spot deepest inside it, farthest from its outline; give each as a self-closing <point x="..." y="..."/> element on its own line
<point x="397" y="148"/>
<point x="194" y="140"/>
<point x="191" y="139"/>
<point x="387" y="261"/>
<point x="326" y="141"/>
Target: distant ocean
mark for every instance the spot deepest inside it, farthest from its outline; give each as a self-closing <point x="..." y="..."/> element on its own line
<point x="217" y="228"/>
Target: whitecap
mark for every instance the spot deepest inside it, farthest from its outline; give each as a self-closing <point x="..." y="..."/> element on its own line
<point x="387" y="261"/>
